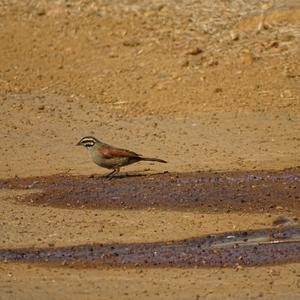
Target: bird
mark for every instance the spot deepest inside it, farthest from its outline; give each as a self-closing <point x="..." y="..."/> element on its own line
<point x="110" y="157"/>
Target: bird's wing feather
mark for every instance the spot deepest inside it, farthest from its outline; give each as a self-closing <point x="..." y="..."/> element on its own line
<point x="109" y="152"/>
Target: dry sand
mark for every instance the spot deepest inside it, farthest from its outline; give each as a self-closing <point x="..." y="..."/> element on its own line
<point x="205" y="85"/>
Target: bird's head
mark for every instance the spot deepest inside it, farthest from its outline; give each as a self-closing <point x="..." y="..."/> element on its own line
<point x="88" y="142"/>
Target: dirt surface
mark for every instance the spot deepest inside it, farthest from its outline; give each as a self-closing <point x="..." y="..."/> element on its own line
<point x="231" y="249"/>
<point x="226" y="192"/>
<point x="207" y="86"/>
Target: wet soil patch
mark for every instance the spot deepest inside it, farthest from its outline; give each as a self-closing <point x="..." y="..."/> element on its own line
<point x="248" y="248"/>
<point x="257" y="191"/>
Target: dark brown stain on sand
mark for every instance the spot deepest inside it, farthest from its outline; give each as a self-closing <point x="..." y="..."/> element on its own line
<point x="259" y="191"/>
<point x="247" y="248"/>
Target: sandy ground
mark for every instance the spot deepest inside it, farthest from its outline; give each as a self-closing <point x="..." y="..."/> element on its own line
<point x="204" y="86"/>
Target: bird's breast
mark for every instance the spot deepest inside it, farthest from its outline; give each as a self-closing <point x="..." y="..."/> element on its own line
<point x="109" y="163"/>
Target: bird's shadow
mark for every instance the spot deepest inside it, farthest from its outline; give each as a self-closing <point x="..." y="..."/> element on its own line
<point x="126" y="175"/>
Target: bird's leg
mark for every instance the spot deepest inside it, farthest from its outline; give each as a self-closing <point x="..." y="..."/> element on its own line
<point x="111" y="174"/>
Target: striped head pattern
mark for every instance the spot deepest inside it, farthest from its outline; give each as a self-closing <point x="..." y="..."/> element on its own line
<point x="87" y="141"/>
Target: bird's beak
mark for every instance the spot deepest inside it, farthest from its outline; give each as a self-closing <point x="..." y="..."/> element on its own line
<point x="78" y="144"/>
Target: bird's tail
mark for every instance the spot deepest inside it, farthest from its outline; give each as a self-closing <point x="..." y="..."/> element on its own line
<point x="153" y="159"/>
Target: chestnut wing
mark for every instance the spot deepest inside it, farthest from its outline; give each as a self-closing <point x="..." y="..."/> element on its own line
<point x="109" y="152"/>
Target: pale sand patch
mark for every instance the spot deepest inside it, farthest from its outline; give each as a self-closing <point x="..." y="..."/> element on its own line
<point x="28" y="226"/>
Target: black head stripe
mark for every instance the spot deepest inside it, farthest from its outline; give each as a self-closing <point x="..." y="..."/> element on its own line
<point x="88" y="141"/>
<point x="88" y="144"/>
